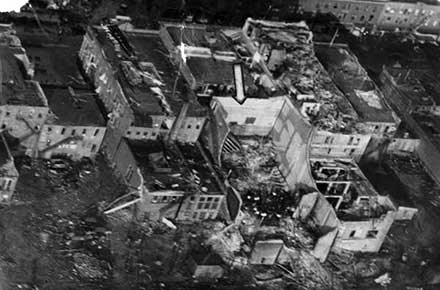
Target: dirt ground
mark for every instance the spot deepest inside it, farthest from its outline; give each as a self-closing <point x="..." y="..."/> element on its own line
<point x="54" y="235"/>
<point x="48" y="223"/>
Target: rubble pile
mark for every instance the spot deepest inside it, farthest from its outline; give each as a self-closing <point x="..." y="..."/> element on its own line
<point x="254" y="173"/>
<point x="289" y="55"/>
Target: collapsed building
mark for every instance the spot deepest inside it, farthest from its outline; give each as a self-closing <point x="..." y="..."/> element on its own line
<point x="179" y="183"/>
<point x="147" y="101"/>
<point x="364" y="216"/>
<point x="312" y="116"/>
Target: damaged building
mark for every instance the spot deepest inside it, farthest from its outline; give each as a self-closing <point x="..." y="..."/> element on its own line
<point x="135" y="81"/>
<point x="413" y="93"/>
<point x="179" y="184"/>
<point x="364" y="217"/>
<point x="24" y="107"/>
<point x="319" y="119"/>
<point x="75" y="128"/>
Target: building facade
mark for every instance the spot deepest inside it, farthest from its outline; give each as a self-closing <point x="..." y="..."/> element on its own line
<point x="380" y="15"/>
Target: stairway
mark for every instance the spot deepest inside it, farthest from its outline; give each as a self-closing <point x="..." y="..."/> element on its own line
<point x="231" y="144"/>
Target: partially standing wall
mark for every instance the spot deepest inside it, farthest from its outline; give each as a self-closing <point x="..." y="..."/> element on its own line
<point x="291" y="136"/>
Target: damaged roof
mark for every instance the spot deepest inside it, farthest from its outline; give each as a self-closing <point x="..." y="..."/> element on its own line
<point x="145" y="73"/>
<point x="354" y="82"/>
<point x="164" y="169"/>
<point x="285" y="53"/>
<point x="348" y="190"/>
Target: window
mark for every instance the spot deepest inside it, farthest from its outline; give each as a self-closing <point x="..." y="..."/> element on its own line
<point x="352" y="233"/>
<point x="3" y="126"/>
<point x="84" y="131"/>
<point x="328" y="140"/>
<point x="250" y="120"/>
<point x="93" y="148"/>
<point x="63" y="131"/>
<point x="202" y="215"/>
<point x="8" y="113"/>
<point x="352" y="151"/>
<point x="329" y="150"/>
<point x="128" y="132"/>
<point x="371" y="17"/>
<point x="138" y="133"/>
<point x="40" y="116"/>
<point x="198" y="126"/>
<point x="189" y="126"/>
<point x="145" y="134"/>
<point x="96" y="132"/>
<point x="155" y="199"/>
<point x="372" y="234"/>
<point x="49" y="129"/>
<point x="73" y="132"/>
<point x="351" y="140"/>
<point x="362" y="18"/>
<point x="8" y="186"/>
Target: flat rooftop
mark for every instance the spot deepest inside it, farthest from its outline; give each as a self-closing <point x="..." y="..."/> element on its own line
<point x="354" y="82"/>
<point x="164" y="169"/>
<point x="56" y="64"/>
<point x="145" y="73"/>
<point x="79" y="109"/>
<point x="198" y="35"/>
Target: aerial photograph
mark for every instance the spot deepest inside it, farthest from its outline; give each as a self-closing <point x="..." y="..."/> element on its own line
<point x="219" y="144"/>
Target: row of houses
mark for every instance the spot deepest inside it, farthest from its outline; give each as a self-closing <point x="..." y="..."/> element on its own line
<point x="265" y="79"/>
<point x="393" y="16"/>
<point x="134" y="99"/>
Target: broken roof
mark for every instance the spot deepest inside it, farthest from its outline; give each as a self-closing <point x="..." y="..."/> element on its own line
<point x="284" y="52"/>
<point x="74" y="107"/>
<point x="145" y="73"/>
<point x="354" y="82"/>
<point x="348" y="190"/>
<point x="164" y="169"/>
